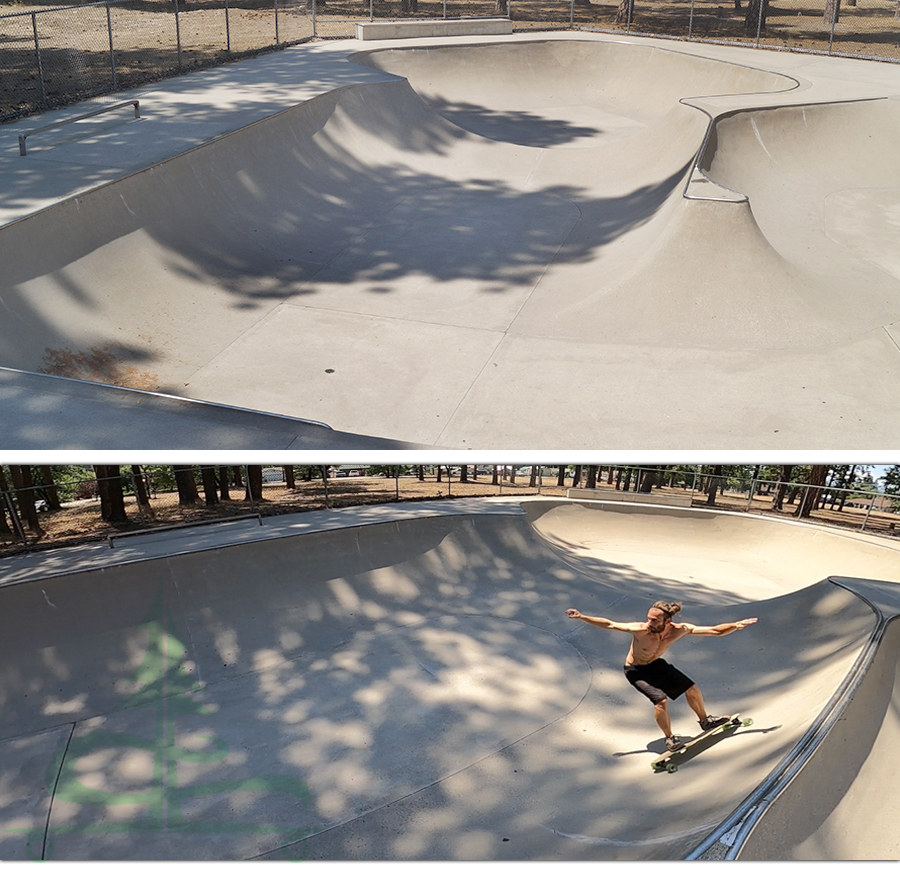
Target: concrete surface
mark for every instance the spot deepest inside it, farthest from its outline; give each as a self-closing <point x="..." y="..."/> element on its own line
<point x="402" y="683"/>
<point x="61" y="413"/>
<point x="419" y="240"/>
<point x="398" y="30"/>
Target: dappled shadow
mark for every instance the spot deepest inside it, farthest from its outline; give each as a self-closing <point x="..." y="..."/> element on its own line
<point x="377" y="199"/>
<point x="399" y="690"/>
<point x="521" y="126"/>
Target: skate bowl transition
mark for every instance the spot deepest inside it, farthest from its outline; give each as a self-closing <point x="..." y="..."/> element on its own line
<point x="481" y="223"/>
<point x="402" y="683"/>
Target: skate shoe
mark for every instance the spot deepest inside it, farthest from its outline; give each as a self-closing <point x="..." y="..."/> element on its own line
<point x="709" y="722"/>
<point x="674" y="743"/>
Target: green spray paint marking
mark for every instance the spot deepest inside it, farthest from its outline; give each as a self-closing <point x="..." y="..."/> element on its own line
<point x="167" y="688"/>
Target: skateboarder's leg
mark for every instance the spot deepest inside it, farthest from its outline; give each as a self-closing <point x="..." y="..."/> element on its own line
<point x="695" y="700"/>
<point x="661" y="713"/>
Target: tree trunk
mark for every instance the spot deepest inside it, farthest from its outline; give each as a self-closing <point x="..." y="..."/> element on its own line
<point x="223" y="484"/>
<point x="713" y="486"/>
<point x="187" y="485"/>
<point x="625" y="12"/>
<point x="496" y="476"/>
<point x="816" y="482"/>
<point x="591" y="478"/>
<point x="289" y="479"/>
<point x="561" y="476"/>
<point x="755" y="19"/>
<point x="832" y="12"/>
<point x="112" y="496"/>
<point x="6" y="527"/>
<point x="140" y="491"/>
<point x="24" y="491"/>
<point x="576" y="478"/>
<point x="464" y="473"/>
<point x="647" y="482"/>
<point x="48" y="489"/>
<point x="210" y="490"/>
<point x="254" y="483"/>
<point x="532" y="480"/>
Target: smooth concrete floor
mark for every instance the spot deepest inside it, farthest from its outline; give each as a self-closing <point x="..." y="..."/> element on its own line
<point x="402" y="683"/>
<point x="416" y="240"/>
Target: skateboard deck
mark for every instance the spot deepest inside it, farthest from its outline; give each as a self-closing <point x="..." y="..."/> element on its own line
<point x="664" y="761"/>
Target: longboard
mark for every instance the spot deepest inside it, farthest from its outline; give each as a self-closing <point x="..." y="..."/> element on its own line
<point x="664" y="761"/>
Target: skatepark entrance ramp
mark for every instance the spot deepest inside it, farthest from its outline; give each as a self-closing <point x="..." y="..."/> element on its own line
<point x="481" y="221"/>
<point x="403" y="683"/>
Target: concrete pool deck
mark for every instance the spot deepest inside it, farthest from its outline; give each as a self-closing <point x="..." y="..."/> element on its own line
<point x="402" y="683"/>
<point x="419" y="252"/>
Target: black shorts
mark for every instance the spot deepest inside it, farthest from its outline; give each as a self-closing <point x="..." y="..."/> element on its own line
<point x="658" y="680"/>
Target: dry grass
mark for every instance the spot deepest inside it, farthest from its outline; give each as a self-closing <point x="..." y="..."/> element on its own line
<point x="80" y="521"/>
<point x="75" y="52"/>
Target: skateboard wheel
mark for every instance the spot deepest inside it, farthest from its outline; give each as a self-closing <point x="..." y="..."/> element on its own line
<point x="747" y="721"/>
<point x="672" y="767"/>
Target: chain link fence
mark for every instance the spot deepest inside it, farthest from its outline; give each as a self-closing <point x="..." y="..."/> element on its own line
<point x="37" y="512"/>
<point x="54" y="55"/>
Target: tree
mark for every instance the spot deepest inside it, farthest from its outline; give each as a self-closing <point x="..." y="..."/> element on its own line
<point x="254" y="483"/>
<point x="186" y="484"/>
<point x="23" y="484"/>
<point x="625" y="12"/>
<point x="7" y="528"/>
<point x="48" y="488"/>
<point x="892" y="479"/>
<point x="755" y="19"/>
<point x="141" y="491"/>
<point x="713" y="485"/>
<point x="210" y="488"/>
<point x="815" y="484"/>
<point x="112" y="493"/>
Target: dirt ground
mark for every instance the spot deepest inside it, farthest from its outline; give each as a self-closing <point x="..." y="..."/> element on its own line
<point x="78" y="62"/>
<point x="80" y="521"/>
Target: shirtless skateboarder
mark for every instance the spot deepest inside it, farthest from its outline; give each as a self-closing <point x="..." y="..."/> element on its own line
<point x="648" y="672"/>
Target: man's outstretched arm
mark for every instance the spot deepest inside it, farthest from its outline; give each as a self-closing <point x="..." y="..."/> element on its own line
<point x="603" y="623"/>
<point x="721" y="629"/>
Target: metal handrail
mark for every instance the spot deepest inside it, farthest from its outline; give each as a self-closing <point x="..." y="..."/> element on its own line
<point x="137" y="115"/>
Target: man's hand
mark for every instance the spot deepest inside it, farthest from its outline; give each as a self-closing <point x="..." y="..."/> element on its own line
<point x="748" y="622"/>
<point x="573" y="614"/>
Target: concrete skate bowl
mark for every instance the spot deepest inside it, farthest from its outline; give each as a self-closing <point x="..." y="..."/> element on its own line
<point x="527" y="220"/>
<point x="392" y="689"/>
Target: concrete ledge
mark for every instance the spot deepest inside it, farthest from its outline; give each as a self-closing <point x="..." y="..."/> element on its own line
<point x="629" y="497"/>
<point x="398" y="30"/>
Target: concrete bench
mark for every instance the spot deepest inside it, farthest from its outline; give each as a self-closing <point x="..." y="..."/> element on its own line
<point x="457" y="27"/>
<point x="630" y="497"/>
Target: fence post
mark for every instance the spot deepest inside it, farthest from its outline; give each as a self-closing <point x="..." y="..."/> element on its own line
<point x="112" y="57"/>
<point x="276" y="21"/>
<point x="227" y="28"/>
<point x="37" y="53"/>
<point x="868" y="512"/>
<point x="834" y="15"/>
<point x="314" y="16"/>
<point x="691" y="22"/>
<point x="177" y="33"/>
<point x="762" y="6"/>
<point x="571" y="13"/>
<point x="750" y="496"/>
